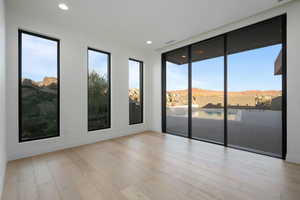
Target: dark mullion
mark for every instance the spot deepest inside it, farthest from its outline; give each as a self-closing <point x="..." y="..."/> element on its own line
<point x="284" y="87"/>
<point x="142" y="90"/>
<point x="109" y="90"/>
<point x="20" y="85"/>
<point x="189" y="91"/>
<point x="163" y="93"/>
<point x="225" y="91"/>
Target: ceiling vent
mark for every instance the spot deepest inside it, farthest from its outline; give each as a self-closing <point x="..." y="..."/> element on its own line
<point x="170" y="42"/>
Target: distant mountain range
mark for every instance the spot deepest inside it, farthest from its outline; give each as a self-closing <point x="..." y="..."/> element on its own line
<point x="264" y="99"/>
<point x="202" y="92"/>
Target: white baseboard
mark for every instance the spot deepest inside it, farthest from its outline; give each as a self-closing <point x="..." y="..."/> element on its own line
<point x="76" y="142"/>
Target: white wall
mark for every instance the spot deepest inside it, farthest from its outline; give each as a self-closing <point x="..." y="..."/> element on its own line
<point x="74" y="82"/>
<point x="293" y="82"/>
<point x="73" y="87"/>
<point x="2" y="97"/>
<point x="156" y="113"/>
<point x="293" y="70"/>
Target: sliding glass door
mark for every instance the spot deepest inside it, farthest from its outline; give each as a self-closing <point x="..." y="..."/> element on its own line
<point x="255" y="88"/>
<point x="177" y="92"/>
<point x="208" y="90"/>
<point x="230" y="89"/>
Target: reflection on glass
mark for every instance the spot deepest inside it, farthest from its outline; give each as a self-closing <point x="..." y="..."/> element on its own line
<point x="135" y="92"/>
<point x="208" y="90"/>
<point x="39" y="90"/>
<point x="177" y="92"/>
<point x="255" y="88"/>
<point x="98" y="90"/>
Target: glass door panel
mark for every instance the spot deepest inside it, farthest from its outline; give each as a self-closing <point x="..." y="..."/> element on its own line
<point x="208" y="90"/>
<point x="255" y="88"/>
<point x="177" y="92"/>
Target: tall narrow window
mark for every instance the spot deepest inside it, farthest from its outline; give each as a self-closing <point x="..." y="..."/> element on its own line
<point x="98" y="90"/>
<point x="38" y="86"/>
<point x="135" y="91"/>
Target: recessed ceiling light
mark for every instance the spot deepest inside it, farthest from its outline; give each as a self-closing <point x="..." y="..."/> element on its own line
<point x="63" y="6"/>
<point x="183" y="56"/>
<point x="199" y="51"/>
<point x="149" y="42"/>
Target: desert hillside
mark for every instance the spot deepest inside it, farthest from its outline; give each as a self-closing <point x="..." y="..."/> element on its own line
<point x="266" y="99"/>
<point x="44" y="83"/>
<point x="134" y="94"/>
<point x="39" y="108"/>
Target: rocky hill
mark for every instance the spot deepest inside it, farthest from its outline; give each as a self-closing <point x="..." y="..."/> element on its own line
<point x="39" y="108"/>
<point x="202" y="92"/>
<point x="134" y="94"/>
<point x="47" y="81"/>
<point x="210" y="98"/>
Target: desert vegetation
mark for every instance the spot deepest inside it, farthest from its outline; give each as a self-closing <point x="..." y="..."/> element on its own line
<point x="98" y="101"/>
<point x="39" y="108"/>
<point x="135" y="106"/>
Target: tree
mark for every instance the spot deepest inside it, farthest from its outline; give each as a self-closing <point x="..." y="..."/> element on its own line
<point x="97" y="96"/>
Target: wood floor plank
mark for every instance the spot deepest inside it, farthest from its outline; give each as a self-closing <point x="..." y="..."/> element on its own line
<point x="151" y="166"/>
<point x="48" y="191"/>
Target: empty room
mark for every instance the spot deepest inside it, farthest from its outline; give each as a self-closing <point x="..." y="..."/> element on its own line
<point x="149" y="100"/>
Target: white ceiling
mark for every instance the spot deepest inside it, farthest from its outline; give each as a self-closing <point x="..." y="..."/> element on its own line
<point x="136" y="21"/>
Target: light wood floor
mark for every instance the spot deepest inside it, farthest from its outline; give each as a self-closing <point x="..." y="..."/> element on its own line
<point x="151" y="166"/>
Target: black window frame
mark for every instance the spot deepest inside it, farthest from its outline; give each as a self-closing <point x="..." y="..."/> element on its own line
<point x="284" y="87"/>
<point x="109" y="87"/>
<point x="20" y="32"/>
<point x="141" y="77"/>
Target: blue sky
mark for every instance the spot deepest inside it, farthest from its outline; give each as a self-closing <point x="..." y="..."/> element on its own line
<point x="98" y="62"/>
<point x="249" y="70"/>
<point x="134" y="74"/>
<point x="39" y="57"/>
